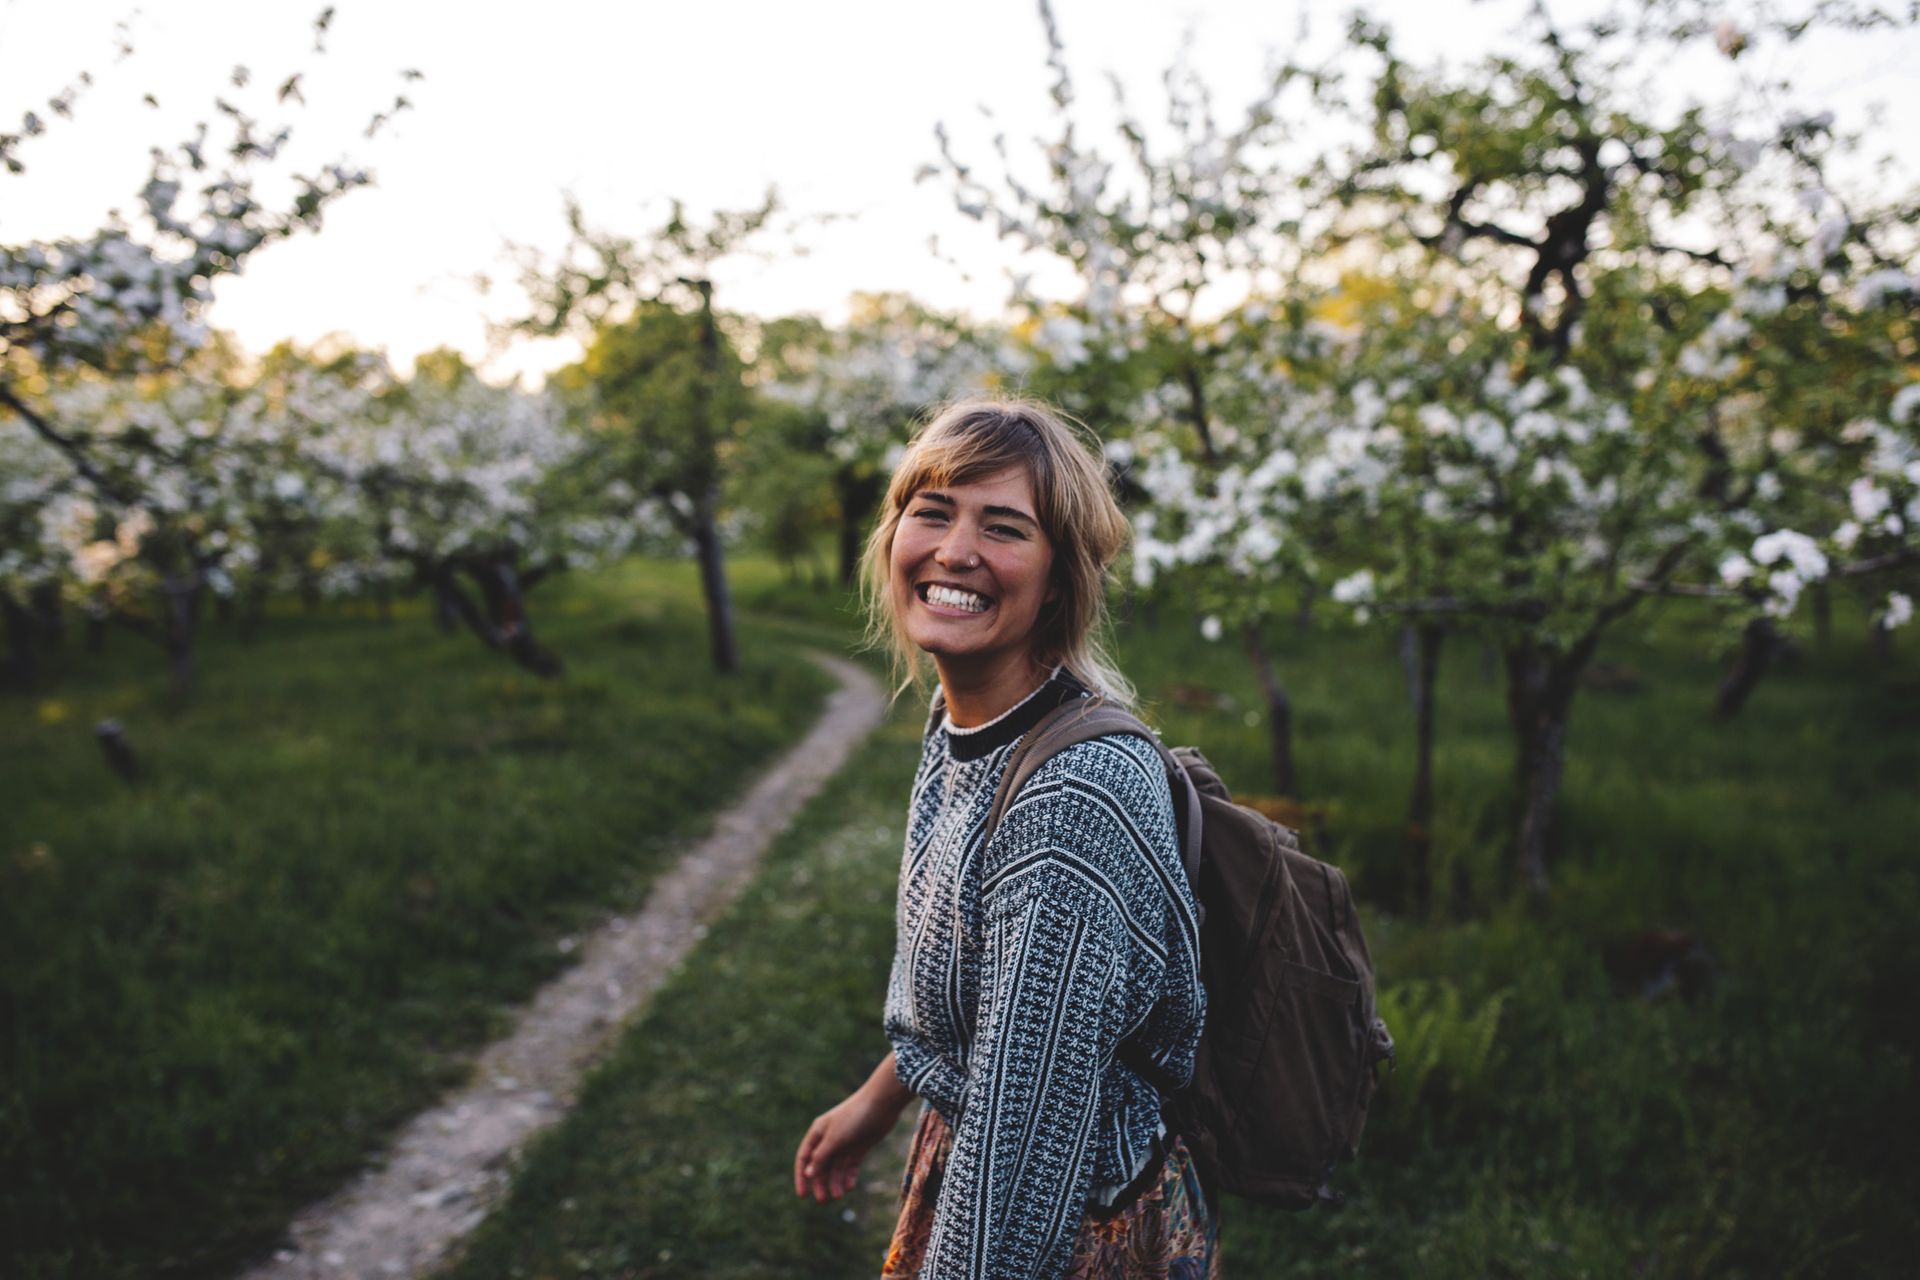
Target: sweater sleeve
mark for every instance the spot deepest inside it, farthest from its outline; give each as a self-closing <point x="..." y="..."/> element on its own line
<point x="928" y="1073"/>
<point x="1054" y="1005"/>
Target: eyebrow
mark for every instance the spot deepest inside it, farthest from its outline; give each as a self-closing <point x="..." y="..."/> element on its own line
<point x="929" y="495"/>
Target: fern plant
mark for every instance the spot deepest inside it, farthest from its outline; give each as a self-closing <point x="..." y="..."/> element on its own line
<point x="1438" y="1042"/>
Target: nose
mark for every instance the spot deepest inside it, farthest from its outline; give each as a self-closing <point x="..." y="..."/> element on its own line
<point x="959" y="549"/>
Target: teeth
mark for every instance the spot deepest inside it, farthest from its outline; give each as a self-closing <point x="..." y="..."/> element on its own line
<point x="956" y="599"/>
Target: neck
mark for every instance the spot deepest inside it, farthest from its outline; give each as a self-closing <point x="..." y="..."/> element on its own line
<point x="975" y="695"/>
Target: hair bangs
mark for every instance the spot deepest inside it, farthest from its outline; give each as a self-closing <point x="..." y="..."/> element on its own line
<point x="976" y="444"/>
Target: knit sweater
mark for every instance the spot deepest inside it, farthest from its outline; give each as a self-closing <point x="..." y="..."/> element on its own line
<point x="1026" y="967"/>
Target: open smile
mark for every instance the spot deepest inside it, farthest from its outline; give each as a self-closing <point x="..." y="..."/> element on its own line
<point x="947" y="598"/>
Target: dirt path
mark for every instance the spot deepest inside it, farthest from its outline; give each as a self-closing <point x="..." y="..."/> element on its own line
<point x="448" y="1166"/>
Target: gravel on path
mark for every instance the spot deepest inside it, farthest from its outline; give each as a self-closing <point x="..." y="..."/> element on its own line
<point x="448" y="1166"/>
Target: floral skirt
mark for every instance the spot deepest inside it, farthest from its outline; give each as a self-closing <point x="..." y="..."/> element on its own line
<point x="1167" y="1232"/>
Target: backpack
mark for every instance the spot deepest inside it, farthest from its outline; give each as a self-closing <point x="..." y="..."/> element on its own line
<point x="1286" y="1064"/>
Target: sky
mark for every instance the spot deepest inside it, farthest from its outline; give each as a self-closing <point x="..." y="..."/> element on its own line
<point x="628" y="105"/>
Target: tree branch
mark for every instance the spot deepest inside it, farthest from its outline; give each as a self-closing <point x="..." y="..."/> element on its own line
<point x="74" y="453"/>
<point x="1710" y="256"/>
<point x="1524" y="610"/>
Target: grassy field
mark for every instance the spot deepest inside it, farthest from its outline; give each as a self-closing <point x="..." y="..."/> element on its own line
<point x="1545" y="1119"/>
<point x="351" y="851"/>
<point x="679" y="1159"/>
<point x="225" y="984"/>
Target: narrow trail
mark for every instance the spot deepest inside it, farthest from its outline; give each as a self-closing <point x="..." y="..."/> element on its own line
<point x="448" y="1166"/>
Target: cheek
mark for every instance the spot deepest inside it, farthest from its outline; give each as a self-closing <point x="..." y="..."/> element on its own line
<point x="901" y="558"/>
<point x="899" y="551"/>
<point x="1036" y="574"/>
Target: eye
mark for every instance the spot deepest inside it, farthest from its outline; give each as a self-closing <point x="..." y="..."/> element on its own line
<point x="1008" y="530"/>
<point x="930" y="513"/>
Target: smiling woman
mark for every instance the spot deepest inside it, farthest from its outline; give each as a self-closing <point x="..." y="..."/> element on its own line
<point x="972" y="569"/>
<point x="1001" y="512"/>
<point x="1026" y="959"/>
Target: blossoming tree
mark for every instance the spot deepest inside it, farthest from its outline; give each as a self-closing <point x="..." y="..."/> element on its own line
<point x="1581" y="452"/>
<point x="623" y="295"/>
<point x="130" y="298"/>
<point x="1164" y="240"/>
<point x="864" y="385"/>
<point x="1521" y="433"/>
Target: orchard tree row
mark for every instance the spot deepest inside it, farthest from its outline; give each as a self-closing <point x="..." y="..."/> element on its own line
<point x="1507" y="349"/>
<point x="225" y="481"/>
<point x="147" y="467"/>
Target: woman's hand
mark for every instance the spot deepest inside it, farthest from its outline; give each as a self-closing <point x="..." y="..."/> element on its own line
<point x="828" y="1162"/>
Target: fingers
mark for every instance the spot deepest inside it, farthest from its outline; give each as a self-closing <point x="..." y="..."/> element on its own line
<point x="846" y="1177"/>
<point x="804" y="1159"/>
<point x="823" y="1167"/>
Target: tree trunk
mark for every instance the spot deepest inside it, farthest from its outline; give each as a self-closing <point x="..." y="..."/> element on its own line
<point x="1425" y="674"/>
<point x="506" y="626"/>
<point x="449" y="609"/>
<point x="1758" y="645"/>
<point x="383" y="601"/>
<point x="849" y="547"/>
<point x="1279" y="710"/>
<point x="713" y="586"/>
<point x="1303" y="615"/>
<point x="180" y="621"/>
<point x="1197" y="410"/>
<point x="1540" y="687"/>
<point x="706" y="501"/>
<point x="253" y="611"/>
<point x="1822" y="593"/>
<point x="1409" y="655"/>
<point x="50" y="620"/>
<point x="856" y="495"/>
<point x="22" y="670"/>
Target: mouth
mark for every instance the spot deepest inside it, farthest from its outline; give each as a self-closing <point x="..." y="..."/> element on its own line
<point x="948" y="598"/>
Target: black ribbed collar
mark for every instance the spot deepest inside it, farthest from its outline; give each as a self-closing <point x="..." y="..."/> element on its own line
<point x="1062" y="687"/>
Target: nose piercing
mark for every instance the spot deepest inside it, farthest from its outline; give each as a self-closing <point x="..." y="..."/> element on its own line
<point x="973" y="563"/>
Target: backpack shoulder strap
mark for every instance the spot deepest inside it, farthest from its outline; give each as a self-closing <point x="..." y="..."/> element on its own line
<point x="1083" y="720"/>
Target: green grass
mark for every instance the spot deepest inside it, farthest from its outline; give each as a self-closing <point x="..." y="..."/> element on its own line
<point x="1748" y="1131"/>
<point x="351" y="851"/>
<point x="679" y="1159"/>
<point x="1545" y="1123"/>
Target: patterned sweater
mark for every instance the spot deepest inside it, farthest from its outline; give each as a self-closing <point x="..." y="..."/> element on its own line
<point x="1020" y="970"/>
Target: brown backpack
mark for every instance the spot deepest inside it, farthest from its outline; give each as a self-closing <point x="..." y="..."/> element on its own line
<point x="1286" y="1065"/>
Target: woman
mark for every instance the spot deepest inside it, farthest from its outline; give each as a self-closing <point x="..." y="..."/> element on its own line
<point x="1045" y="982"/>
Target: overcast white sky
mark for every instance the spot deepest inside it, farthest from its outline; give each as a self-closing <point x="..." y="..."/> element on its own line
<point x="629" y="103"/>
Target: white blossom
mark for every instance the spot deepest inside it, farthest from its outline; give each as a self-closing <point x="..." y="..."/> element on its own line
<point x="1355" y="588"/>
<point x="1868" y="500"/>
<point x="1797" y="549"/>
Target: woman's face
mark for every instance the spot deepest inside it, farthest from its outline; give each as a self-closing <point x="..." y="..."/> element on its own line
<point x="971" y="568"/>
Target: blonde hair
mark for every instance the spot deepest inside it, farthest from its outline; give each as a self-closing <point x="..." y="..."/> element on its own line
<point x="968" y="440"/>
